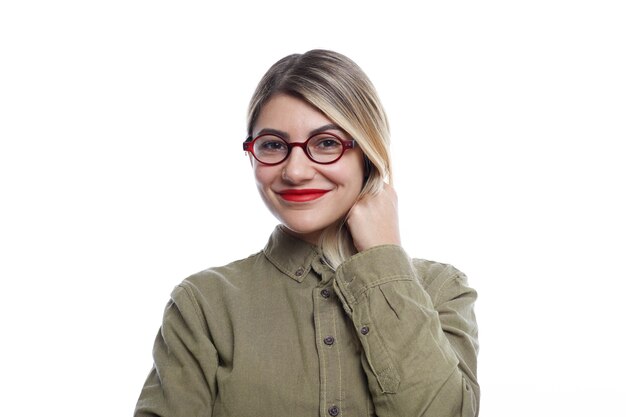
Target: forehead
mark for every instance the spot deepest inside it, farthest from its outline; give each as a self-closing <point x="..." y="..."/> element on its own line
<point x="290" y="115"/>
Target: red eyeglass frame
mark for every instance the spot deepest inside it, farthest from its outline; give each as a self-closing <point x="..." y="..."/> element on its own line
<point x="248" y="146"/>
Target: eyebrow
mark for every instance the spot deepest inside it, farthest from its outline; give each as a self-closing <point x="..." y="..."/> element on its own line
<point x="285" y="135"/>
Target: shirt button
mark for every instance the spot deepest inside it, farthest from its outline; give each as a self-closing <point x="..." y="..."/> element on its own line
<point x="299" y="272"/>
<point x="325" y="293"/>
<point x="329" y="340"/>
<point x="333" y="411"/>
<point x="365" y="330"/>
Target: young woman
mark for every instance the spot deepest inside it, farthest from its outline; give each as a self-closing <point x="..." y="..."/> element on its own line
<point x="331" y="318"/>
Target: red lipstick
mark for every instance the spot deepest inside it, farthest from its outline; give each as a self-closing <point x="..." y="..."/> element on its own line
<point x="301" y="195"/>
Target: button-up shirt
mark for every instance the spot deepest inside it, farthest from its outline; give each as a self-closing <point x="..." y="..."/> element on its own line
<point x="280" y="333"/>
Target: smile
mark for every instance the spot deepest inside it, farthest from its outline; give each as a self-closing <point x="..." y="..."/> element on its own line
<point x="301" y="196"/>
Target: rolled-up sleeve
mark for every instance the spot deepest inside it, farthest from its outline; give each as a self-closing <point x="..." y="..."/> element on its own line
<point x="416" y="324"/>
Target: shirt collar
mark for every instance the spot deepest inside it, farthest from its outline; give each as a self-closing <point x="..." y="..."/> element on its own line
<point x="290" y="255"/>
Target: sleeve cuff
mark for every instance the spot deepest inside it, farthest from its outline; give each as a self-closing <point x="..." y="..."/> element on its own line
<point x="370" y="268"/>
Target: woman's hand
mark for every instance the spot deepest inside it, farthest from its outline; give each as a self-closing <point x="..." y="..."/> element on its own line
<point x="373" y="220"/>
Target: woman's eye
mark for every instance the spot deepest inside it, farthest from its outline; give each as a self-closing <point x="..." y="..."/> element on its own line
<point x="273" y="146"/>
<point x="330" y="143"/>
<point x="327" y="143"/>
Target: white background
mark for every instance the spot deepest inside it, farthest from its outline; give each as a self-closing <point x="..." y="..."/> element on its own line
<point x="121" y="173"/>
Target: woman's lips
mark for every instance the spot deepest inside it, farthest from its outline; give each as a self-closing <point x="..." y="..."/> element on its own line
<point x="301" y="195"/>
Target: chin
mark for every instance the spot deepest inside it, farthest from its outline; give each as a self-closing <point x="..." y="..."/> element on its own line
<point x="306" y="231"/>
<point x="302" y="230"/>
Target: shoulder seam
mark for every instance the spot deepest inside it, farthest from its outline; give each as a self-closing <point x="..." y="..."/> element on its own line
<point x="194" y="302"/>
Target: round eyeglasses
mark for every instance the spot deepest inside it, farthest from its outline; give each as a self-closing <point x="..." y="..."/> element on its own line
<point x="322" y="148"/>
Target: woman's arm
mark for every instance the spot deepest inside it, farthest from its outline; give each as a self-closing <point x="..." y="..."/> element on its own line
<point x="419" y="349"/>
<point x="182" y="381"/>
<point x="415" y="320"/>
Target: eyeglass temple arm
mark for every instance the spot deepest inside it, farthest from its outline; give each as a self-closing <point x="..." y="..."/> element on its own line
<point x="246" y="144"/>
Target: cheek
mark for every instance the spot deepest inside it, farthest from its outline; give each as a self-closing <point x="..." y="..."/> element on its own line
<point x="263" y="175"/>
<point x="350" y="175"/>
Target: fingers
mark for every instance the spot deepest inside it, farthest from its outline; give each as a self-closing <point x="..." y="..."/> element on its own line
<point x="373" y="220"/>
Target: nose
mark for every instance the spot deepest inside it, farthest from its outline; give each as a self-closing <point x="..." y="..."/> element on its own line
<point x="298" y="167"/>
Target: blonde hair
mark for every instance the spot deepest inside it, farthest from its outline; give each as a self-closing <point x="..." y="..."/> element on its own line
<point x="336" y="86"/>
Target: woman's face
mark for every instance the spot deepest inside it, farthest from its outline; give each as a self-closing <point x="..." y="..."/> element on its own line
<point x="305" y="196"/>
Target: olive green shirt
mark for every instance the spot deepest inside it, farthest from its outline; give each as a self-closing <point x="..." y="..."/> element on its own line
<point x="282" y="334"/>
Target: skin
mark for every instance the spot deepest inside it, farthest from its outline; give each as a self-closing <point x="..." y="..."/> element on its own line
<point x="372" y="220"/>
